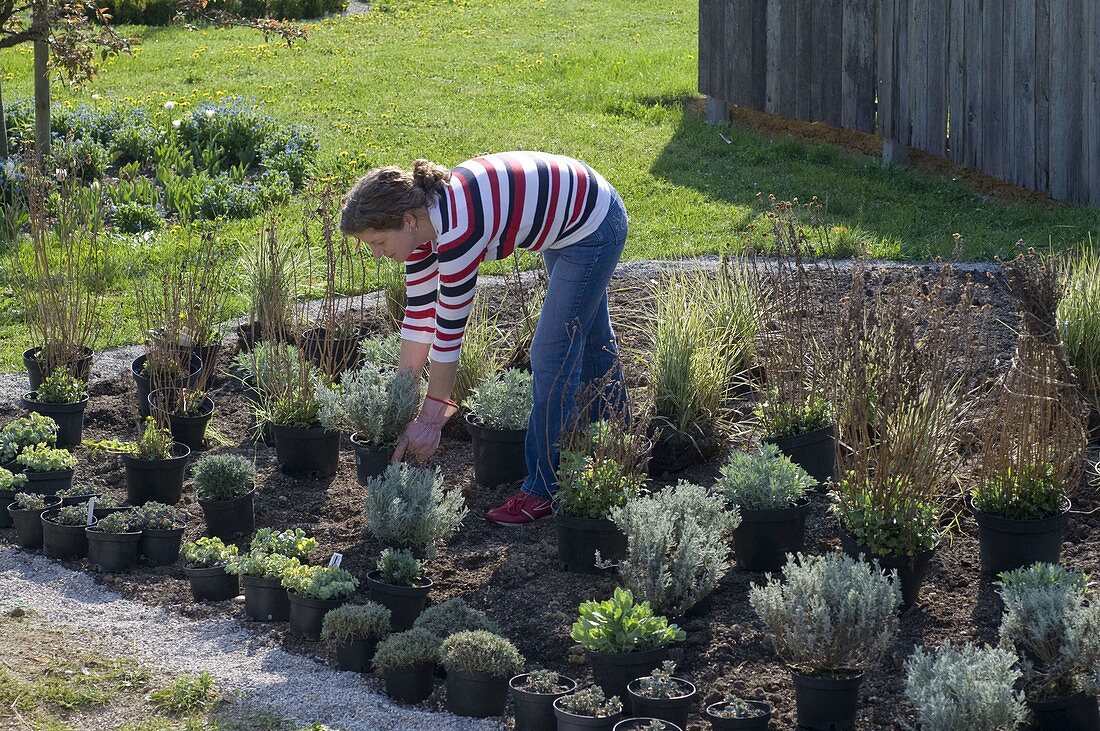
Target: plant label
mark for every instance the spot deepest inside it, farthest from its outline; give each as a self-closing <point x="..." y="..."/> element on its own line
<point x="336" y="559"/>
<point x="91" y="510"/>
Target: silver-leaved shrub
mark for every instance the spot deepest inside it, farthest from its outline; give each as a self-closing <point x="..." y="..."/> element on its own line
<point x="374" y="403"/>
<point x="763" y="480"/>
<point x="407" y="507"/>
<point x="964" y="689"/>
<point x="502" y="400"/>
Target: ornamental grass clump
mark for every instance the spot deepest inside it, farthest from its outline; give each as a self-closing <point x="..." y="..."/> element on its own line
<point x="399" y="568"/>
<point x="356" y="621"/>
<point x="964" y="688"/>
<point x="454" y="615"/>
<point x="294" y="543"/>
<point x="40" y="458"/>
<point x="375" y="403"/>
<point x="61" y="387"/>
<point x="601" y="467"/>
<point x="620" y="624"/>
<point x="207" y="553"/>
<point x="481" y="652"/>
<point x="1051" y="621"/>
<point x="678" y="546"/>
<point x="158" y="516"/>
<point x="591" y="703"/>
<point x="409" y="649"/>
<point x="24" y="432"/>
<point x="223" y="477"/>
<point x="831" y="616"/>
<point x="320" y="582"/>
<point x="407" y="507"/>
<point x="502" y="401"/>
<point x="764" y="479"/>
<point x="1079" y="319"/>
<point x="481" y="353"/>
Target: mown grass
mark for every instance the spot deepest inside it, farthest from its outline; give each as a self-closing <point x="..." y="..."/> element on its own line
<point x="450" y="79"/>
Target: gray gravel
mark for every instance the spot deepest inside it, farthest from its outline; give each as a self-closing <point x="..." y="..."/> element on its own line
<point x="271" y="679"/>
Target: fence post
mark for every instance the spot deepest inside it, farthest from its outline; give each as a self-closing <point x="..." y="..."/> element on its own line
<point x="718" y="111"/>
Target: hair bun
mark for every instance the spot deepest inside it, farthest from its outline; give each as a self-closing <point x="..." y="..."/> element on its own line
<point x="429" y="176"/>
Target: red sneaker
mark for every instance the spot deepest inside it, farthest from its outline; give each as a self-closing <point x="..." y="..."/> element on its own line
<point x="520" y="509"/>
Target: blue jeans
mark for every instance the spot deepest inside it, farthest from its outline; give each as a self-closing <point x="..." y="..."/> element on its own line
<point x="574" y="345"/>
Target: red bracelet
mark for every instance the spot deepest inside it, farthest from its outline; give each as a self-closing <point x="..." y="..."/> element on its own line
<point x="441" y="401"/>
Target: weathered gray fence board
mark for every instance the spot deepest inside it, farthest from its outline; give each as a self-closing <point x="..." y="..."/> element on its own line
<point x="1042" y="94"/>
<point x="956" y="79"/>
<point x="858" y="58"/>
<point x="1022" y="59"/>
<point x="1093" y="114"/>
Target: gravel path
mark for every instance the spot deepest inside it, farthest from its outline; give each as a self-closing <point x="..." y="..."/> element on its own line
<point x="270" y="678"/>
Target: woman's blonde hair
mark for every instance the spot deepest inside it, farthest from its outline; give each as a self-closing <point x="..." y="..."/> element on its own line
<point x="380" y="199"/>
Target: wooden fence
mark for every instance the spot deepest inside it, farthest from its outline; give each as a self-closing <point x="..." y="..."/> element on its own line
<point x="1008" y="87"/>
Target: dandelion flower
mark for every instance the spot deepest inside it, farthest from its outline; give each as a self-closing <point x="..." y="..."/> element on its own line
<point x="169" y="105"/>
<point x="96" y="97"/>
<point x="209" y="113"/>
<point x="176" y="123"/>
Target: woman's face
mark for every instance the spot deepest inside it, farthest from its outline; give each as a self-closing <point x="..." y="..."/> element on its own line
<point x="398" y="244"/>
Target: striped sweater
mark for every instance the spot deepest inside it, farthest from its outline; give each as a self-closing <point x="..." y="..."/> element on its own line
<point x="492" y="206"/>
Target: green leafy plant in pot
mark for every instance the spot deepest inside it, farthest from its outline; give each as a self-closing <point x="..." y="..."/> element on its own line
<point x="734" y="712"/>
<point x="830" y="619"/>
<point x="10" y="485"/>
<point x="47" y="469"/>
<point x="407" y="661"/>
<point x="24" y="432"/>
<point x="1052" y="622"/>
<point x="313" y="591"/>
<point x="225" y="486"/>
<point x="155" y="465"/>
<point x="533" y="696"/>
<point x="113" y="541"/>
<point x="26" y="511"/>
<point x="355" y="630"/>
<point x="623" y="639"/>
<point x="261" y="576"/>
<point x="407" y="507"/>
<point x="661" y="695"/>
<point x="398" y="583"/>
<point x="497" y="414"/>
<point x="770" y="494"/>
<point x="63" y="535"/>
<point x="588" y="708"/>
<point x="204" y="563"/>
<point x="162" y="533"/>
<point x="478" y="664"/>
<point x="964" y="688"/>
<point x="375" y="404"/>
<point x="62" y="397"/>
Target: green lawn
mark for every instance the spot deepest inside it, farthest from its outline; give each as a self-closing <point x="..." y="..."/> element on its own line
<point x="449" y="79"/>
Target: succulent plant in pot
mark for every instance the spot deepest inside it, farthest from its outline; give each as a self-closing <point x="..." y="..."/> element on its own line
<point x="314" y="590"/>
<point x="374" y="404"/>
<point x="47" y="469"/>
<point x="533" y="696"/>
<point x="355" y="630"/>
<point x="10" y="485"/>
<point x="225" y="486"/>
<point x="734" y="712"/>
<point x="24" y="432"/>
<point x="77" y="494"/>
<point x="63" y="398"/>
<point x="498" y="411"/>
<point x="407" y="507"/>
<point x="661" y="695"/>
<point x="588" y="709"/>
<point x="407" y="661"/>
<point x="965" y="688"/>
<point x="162" y="533"/>
<point x="399" y="584"/>
<point x="770" y="492"/>
<point x="63" y="535"/>
<point x="830" y="619"/>
<point x="623" y="639"/>
<point x="26" y="511"/>
<point x="645" y="724"/>
<point x="478" y="664"/>
<point x="204" y="562"/>
<point x="113" y="541"/>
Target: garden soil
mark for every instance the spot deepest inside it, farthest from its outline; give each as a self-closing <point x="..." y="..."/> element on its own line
<point x="513" y="574"/>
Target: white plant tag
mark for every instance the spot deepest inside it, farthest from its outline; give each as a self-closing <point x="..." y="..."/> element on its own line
<point x="336" y="559"/>
<point x="91" y="510"/>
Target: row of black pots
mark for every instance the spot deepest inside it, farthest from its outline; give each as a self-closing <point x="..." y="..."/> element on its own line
<point x="109" y="552"/>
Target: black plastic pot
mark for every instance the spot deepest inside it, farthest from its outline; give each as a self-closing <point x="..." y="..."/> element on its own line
<point x="476" y="695"/>
<point x="814" y="451"/>
<point x="65" y="542"/>
<point x="911" y="569"/>
<point x="82" y="370"/>
<point x="28" y="523"/>
<point x="230" y="519"/>
<point x="265" y="600"/>
<point x="404" y="602"/>
<point x="756" y="723"/>
<point x="48" y="483"/>
<point x="112" y="553"/>
<point x="826" y="704"/>
<point x="644" y="723"/>
<point x="765" y="537"/>
<point x="161" y="547"/>
<point x="101" y="512"/>
<point x="355" y="655"/>
<point x="7" y="497"/>
<point x="307" y="615"/>
<point x="499" y="457"/>
<point x="212" y="584"/>
<point x="159" y="480"/>
<point x="78" y="499"/>
<point x="613" y="671"/>
<point x="409" y="685"/>
<point x="188" y="430"/>
<point x="580" y="538"/>
<point x="370" y="459"/>
<point x="68" y="417"/>
<point x="307" y="453"/>
<point x="570" y="722"/>
<point x="145" y="386"/>
<point x="535" y="711"/>
<point x="1077" y="712"/>
<point x="334" y="357"/>
<point x="1006" y="545"/>
<point x="674" y="710"/>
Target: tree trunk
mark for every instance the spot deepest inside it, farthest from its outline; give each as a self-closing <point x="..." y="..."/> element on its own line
<point x="3" y="122"/>
<point x="41" y="83"/>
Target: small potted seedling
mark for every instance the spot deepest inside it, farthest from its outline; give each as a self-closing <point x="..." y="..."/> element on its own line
<point x="22" y="433"/>
<point x="734" y="713"/>
<point x="155" y="465"/>
<point x="407" y="507"/>
<point x="588" y="709"/>
<point x="10" y="485"/>
<point x="113" y="542"/>
<point x="407" y="661"/>
<point x="63" y="535"/>
<point x="63" y="398"/>
<point x="660" y="695"/>
<point x="646" y="724"/>
<point x="77" y="494"/>
<point x="499" y="409"/>
<point x="769" y="491"/>
<point x="399" y="584"/>
<point x="162" y="533"/>
<point x="313" y="591"/>
<point x="374" y="404"/>
<point x="204" y="562"/>
<point x="355" y="630"/>
<point x="26" y="514"/>
<point x="623" y="639"/>
<point x="533" y="696"/>
<point x="805" y="432"/>
<point x="225" y="488"/>
<point x="478" y="665"/>
<point x="187" y="412"/>
<point x="48" y="469"/>
<point x="262" y="569"/>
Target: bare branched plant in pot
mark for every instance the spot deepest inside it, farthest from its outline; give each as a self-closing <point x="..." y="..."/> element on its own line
<point x="273" y="267"/>
<point x="497" y="414"/>
<point x="478" y="664"/>
<point x="1033" y="453"/>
